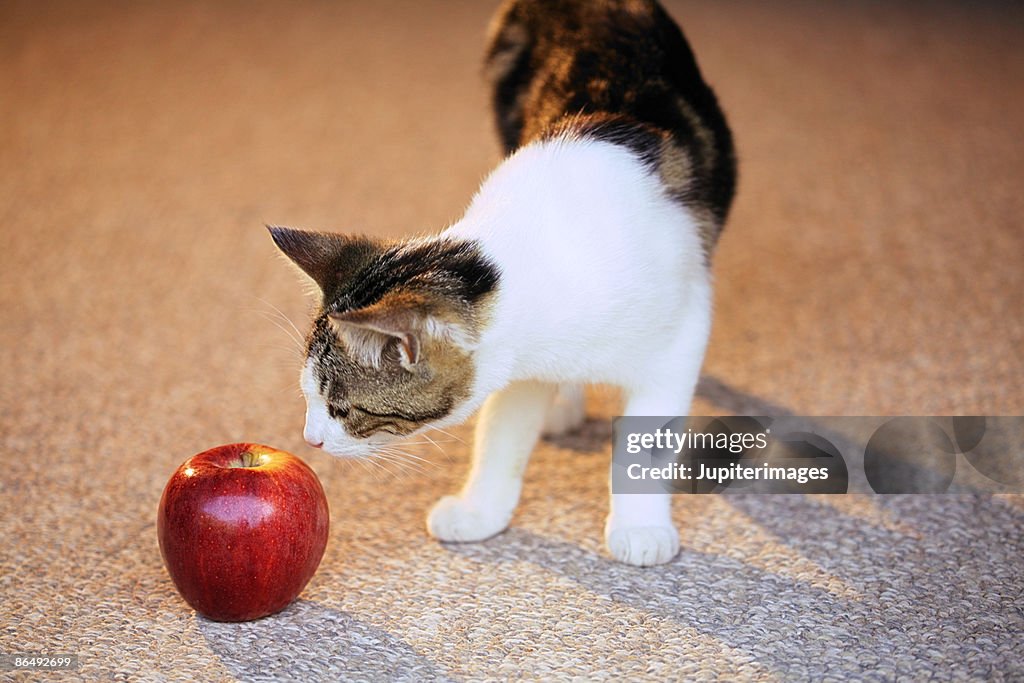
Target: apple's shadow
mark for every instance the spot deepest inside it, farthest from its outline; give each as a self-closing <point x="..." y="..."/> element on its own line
<point x="309" y="642"/>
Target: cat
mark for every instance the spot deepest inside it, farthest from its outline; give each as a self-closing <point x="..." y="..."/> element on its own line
<point x="584" y="257"/>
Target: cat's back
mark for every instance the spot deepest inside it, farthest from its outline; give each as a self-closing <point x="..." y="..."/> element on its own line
<point x="548" y="58"/>
<point x="617" y="70"/>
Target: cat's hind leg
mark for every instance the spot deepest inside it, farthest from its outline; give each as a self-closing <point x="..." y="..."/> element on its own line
<point x="507" y="430"/>
<point x="567" y="411"/>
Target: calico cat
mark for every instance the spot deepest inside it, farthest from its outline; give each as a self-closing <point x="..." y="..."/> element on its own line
<point x="583" y="257"/>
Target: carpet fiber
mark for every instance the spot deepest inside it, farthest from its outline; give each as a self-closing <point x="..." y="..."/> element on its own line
<point x="873" y="265"/>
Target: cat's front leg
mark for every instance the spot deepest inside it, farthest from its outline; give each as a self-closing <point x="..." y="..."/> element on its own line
<point x="507" y="430"/>
<point x="639" y="529"/>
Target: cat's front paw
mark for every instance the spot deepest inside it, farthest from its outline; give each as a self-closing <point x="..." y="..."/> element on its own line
<point x="643" y="546"/>
<point x="460" y="520"/>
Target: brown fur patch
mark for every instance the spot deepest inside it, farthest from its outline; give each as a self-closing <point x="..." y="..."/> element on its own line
<point x="391" y="347"/>
<point x="391" y="397"/>
<point x="675" y="169"/>
<point x="620" y="71"/>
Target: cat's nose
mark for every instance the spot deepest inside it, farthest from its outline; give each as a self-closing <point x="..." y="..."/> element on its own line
<point x="312" y="438"/>
<point x="310" y="432"/>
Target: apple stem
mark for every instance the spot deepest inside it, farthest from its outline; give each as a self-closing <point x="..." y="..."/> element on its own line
<point x="247" y="460"/>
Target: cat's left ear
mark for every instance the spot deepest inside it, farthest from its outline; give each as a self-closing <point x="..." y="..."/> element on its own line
<point x="400" y="316"/>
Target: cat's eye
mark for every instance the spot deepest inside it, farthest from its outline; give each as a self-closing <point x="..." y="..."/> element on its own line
<point x="335" y="412"/>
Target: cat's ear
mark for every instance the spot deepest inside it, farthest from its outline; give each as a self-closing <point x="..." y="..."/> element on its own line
<point x="327" y="258"/>
<point x="401" y="316"/>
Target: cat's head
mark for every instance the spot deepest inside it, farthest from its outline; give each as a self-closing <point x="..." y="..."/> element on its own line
<point x="391" y="349"/>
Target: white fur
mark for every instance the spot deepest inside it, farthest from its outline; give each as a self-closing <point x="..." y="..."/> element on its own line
<point x="567" y="411"/>
<point x="506" y="433"/>
<point x="603" y="279"/>
<point x="321" y="429"/>
<point x="600" y="271"/>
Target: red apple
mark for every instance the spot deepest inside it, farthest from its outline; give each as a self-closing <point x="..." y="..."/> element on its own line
<point x="242" y="529"/>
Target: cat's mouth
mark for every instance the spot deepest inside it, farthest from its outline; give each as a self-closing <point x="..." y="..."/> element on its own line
<point x="362" y="447"/>
<point x="354" y="451"/>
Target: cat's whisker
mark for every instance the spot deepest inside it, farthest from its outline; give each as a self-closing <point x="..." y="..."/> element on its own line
<point x="404" y="456"/>
<point x="437" y="446"/>
<point x="432" y="442"/>
<point x="368" y="466"/>
<point x="298" y="334"/>
<point x="298" y="345"/>
<point x="276" y="316"/>
<point x="290" y="390"/>
<point x="414" y="461"/>
<point x="273" y="314"/>
<point x="289" y="351"/>
<point x="382" y="461"/>
<point x="294" y="349"/>
<point x="449" y="435"/>
<point x="409" y="457"/>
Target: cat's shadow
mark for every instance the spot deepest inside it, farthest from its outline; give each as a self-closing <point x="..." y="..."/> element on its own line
<point x="593" y="436"/>
<point x="310" y="642"/>
<point x="694" y="591"/>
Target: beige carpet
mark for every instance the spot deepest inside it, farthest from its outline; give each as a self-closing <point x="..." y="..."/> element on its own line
<point x="874" y="264"/>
